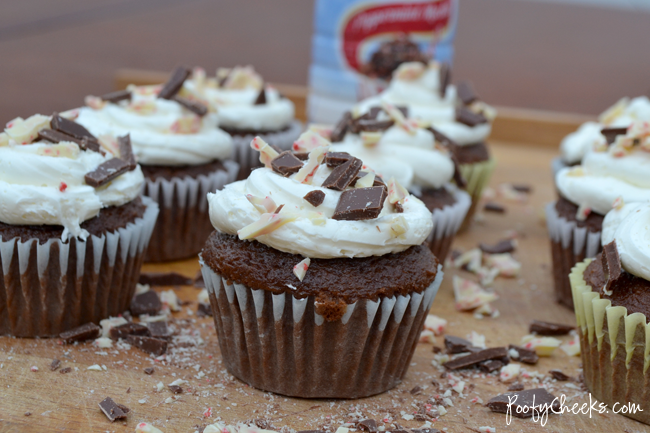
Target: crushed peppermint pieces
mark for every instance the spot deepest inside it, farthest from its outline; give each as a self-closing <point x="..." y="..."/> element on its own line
<point x="300" y="269"/>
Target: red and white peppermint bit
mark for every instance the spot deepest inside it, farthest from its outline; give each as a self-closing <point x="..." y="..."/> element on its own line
<point x="109" y="144"/>
<point x="435" y="324"/>
<point x="301" y="268"/>
<point x="366" y="181"/>
<point x="306" y="172"/>
<point x="190" y="124"/>
<point x="543" y="346"/>
<point x="4" y="139"/>
<point x="505" y="263"/>
<point x="309" y="141"/>
<point x="618" y="203"/>
<point x="409" y="71"/>
<point x="583" y="212"/>
<point x="471" y="260"/>
<point x="427" y="337"/>
<point x="263" y="205"/>
<point x="268" y="223"/>
<point x="63" y="186"/>
<point x="145" y="427"/>
<point x="241" y="77"/>
<point x="398" y="225"/>
<point x="370" y="139"/>
<point x="572" y="347"/>
<point x="398" y="117"/>
<point x="486" y="429"/>
<point x="610" y="115"/>
<point x="396" y="192"/>
<point x="469" y="295"/>
<point x="507" y="191"/>
<point x="63" y="149"/>
<point x="24" y="131"/>
<point x="198" y="76"/>
<point x="34" y="368"/>
<point x="509" y="372"/>
<point x="267" y="153"/>
<point x="94" y="102"/>
<point x="142" y="107"/>
<point x="324" y="131"/>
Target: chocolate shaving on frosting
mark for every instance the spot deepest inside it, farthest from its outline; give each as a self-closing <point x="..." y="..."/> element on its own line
<point x="175" y="82"/>
<point x="195" y="107"/>
<point x="338" y="133"/>
<point x="315" y="198"/>
<point x="611" y="264"/>
<point x="444" y="75"/>
<point x="286" y="163"/>
<point x="126" y="150"/>
<point x="466" y="92"/>
<point x="611" y="133"/>
<point x="69" y="127"/>
<point x="343" y="175"/>
<point x="360" y="204"/>
<point x="468" y="117"/>
<point x="106" y="172"/>
<point x="334" y="159"/>
<point x="261" y="97"/>
<point x="117" y="96"/>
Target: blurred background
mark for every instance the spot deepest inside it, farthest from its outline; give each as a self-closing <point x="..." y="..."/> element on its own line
<point x="577" y="56"/>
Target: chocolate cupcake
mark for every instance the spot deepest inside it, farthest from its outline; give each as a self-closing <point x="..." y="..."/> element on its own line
<point x="73" y="229"/>
<point x="612" y="122"/>
<point x="247" y="107"/>
<point x="607" y="176"/>
<point x="182" y="152"/>
<point x="611" y="295"/>
<point x="397" y="147"/>
<point x="456" y="111"/>
<point x="318" y="280"/>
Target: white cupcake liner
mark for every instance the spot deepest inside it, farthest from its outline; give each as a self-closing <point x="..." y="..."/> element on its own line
<point x="248" y="158"/>
<point x="55" y="286"/>
<point x="278" y="343"/>
<point x="615" y="348"/>
<point x="184" y="221"/>
<point x="570" y="245"/>
<point x="447" y="222"/>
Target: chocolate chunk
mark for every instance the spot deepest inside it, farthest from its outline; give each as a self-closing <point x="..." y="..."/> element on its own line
<point x="106" y="172"/>
<point x="315" y="198"/>
<point x="146" y="303"/>
<point x="81" y="333"/>
<point x="149" y="370"/>
<point x="175" y="389"/>
<point x="372" y="125"/>
<point x="117" y="96"/>
<point x="278" y="209"/>
<point x="374" y="111"/>
<point x="416" y="390"/>
<point x="193" y="106"/>
<point x="468" y="117"/>
<point x="56" y="137"/>
<point x="334" y="159"/>
<point x="558" y="375"/>
<point x="490" y="366"/>
<point x="458" y="345"/>
<point x="90" y="143"/>
<point x="524" y="355"/>
<point x="126" y="150"/>
<point x="458" y="174"/>
<point x="65" y="370"/>
<point x="286" y="163"/>
<point x="69" y="127"/>
<point x="611" y="133"/>
<point x="113" y="410"/>
<point x="473" y="359"/>
<point x="338" y="133"/>
<point x="303" y="156"/>
<point x="521" y="404"/>
<point x="547" y="328"/>
<point x="261" y="97"/>
<point x="494" y="207"/>
<point x="398" y="207"/>
<point x="504" y="246"/>
<point x="159" y="330"/>
<point x="171" y="87"/>
<point x="369" y="425"/>
<point x="123" y="331"/>
<point x="55" y="364"/>
<point x="343" y="175"/>
<point x="611" y="264"/>
<point x="522" y="188"/>
<point x="444" y="77"/>
<point x="155" y="346"/>
<point x="360" y="204"/>
<point x="204" y="310"/>
<point x="466" y="93"/>
<point x="517" y="386"/>
<point x="441" y="138"/>
<point x="164" y="279"/>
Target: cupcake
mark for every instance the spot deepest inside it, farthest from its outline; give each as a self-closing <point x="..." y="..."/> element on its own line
<point x="398" y="147"/>
<point x="73" y="229"/>
<point x="182" y="153"/>
<point x="614" y="121"/>
<point x="610" y="294"/>
<point x="607" y="175"/>
<point x="318" y="279"/>
<point x="455" y="111"/>
<point x="247" y="107"/>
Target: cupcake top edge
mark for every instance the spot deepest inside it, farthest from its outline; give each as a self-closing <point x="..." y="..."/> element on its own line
<point x="628" y="226"/>
<point x="53" y="171"/>
<point x="320" y="203"/>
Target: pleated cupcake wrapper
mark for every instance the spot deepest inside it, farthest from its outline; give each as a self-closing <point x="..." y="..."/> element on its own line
<point x="447" y="221"/>
<point x="53" y="287"/>
<point x="184" y="221"/>
<point x="570" y="245"/>
<point x="248" y="158"/>
<point x="477" y="176"/>
<point x="615" y="348"/>
<point x="278" y="343"/>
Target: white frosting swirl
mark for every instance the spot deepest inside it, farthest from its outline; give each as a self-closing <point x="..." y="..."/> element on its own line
<point x="422" y="97"/>
<point x="575" y="146"/>
<point x="230" y="211"/>
<point x="151" y="128"/>
<point x="36" y="189"/>
<point x="630" y="227"/>
<point x="603" y="178"/>
<point x="410" y="159"/>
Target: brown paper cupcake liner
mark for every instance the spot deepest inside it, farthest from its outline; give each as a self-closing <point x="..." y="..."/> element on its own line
<point x="570" y="245"/>
<point x="278" y="343"/>
<point x="477" y="176"/>
<point x="53" y="287"/>
<point x="615" y="348"/>
<point x="447" y="222"/>
<point x="248" y="158"/>
<point x="184" y="221"/>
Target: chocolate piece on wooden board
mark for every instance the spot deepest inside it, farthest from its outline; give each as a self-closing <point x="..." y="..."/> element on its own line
<point x="175" y="389"/>
<point x="522" y="188"/>
<point x="81" y="333"/>
<point x="368" y="425"/>
<point x="204" y="310"/>
<point x="523" y="404"/>
<point x="504" y="246"/>
<point x="611" y="133"/>
<point x="146" y="303"/>
<point x="286" y="163"/>
<point x="315" y="197"/>
<point x="494" y="207"/>
<point x="526" y="356"/>
<point x="490" y="366"/>
<point x="517" y="386"/>
<point x="459" y="345"/>
<point x="149" y="370"/>
<point x="360" y="204"/>
<point x="164" y="279"/>
<point x="175" y="82"/>
<point x="65" y="370"/>
<point x="343" y="175"/>
<point x="106" y="172"/>
<point x="261" y="97"/>
<point x="160" y="330"/>
<point x="468" y="117"/>
<point x="123" y="331"/>
<point x="113" y="410"/>
<point x="558" y="375"/>
<point x="547" y="328"/>
<point x="193" y="106"/>
<point x="334" y="159"/>
<point x="116" y="96"/>
<point x="338" y="133"/>
<point x="466" y="93"/>
<point x="69" y="127"/>
<point x="56" y="363"/>
<point x="154" y="346"/>
<point x="473" y="359"/>
<point x="444" y="77"/>
<point x="611" y="264"/>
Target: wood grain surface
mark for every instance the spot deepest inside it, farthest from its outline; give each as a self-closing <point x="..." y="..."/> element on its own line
<point x="68" y="402"/>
